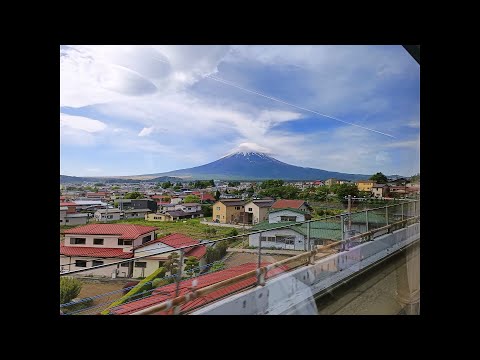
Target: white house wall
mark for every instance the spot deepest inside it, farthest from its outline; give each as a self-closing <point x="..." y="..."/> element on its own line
<point x="275" y="217"/>
<point x="299" y="239"/>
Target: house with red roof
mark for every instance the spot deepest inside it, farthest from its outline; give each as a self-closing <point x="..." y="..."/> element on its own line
<point x="100" y="244"/>
<point x="168" y="292"/>
<point x="291" y="204"/>
<point x="169" y="244"/>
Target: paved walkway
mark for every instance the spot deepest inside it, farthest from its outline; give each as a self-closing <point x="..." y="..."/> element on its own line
<point x="225" y="225"/>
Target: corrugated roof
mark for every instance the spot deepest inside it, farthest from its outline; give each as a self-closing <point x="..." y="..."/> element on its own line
<point x="318" y="229"/>
<point x="168" y="292"/>
<point x="125" y="231"/>
<point x="84" y="251"/>
<point x="67" y="204"/>
<point x="284" y="203"/>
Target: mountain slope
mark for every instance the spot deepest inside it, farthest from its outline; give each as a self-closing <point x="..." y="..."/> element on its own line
<point x="255" y="166"/>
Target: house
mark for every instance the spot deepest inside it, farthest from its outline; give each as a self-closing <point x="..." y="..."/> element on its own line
<point x="176" y="200"/>
<point x="123" y="204"/>
<point x="90" y="204"/>
<point x="294" y="237"/>
<point x="135" y="213"/>
<point x="172" y="215"/>
<point x="379" y="190"/>
<point x="283" y="215"/>
<point x="107" y="214"/>
<point x="72" y="218"/>
<point x="227" y="211"/>
<point x="330" y="182"/>
<point x="256" y="211"/>
<point x="99" y="244"/>
<point x="205" y="197"/>
<point x="168" y="292"/>
<point x="71" y="207"/>
<point x="167" y="243"/>
<point x="189" y="207"/>
<point x="344" y="182"/>
<point x="364" y="185"/>
<point x="292" y="204"/>
<point x="166" y="207"/>
<point x="144" y="204"/>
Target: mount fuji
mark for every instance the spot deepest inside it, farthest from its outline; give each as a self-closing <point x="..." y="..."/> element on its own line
<point x="246" y="165"/>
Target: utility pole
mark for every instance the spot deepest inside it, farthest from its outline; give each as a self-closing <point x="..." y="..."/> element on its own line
<point x="349" y="212"/>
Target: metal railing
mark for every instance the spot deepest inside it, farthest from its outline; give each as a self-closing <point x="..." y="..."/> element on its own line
<point x="345" y="230"/>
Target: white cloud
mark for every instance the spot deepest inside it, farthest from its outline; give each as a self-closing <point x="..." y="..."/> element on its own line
<point x="146" y="131"/>
<point x="81" y="123"/>
<point x="150" y="88"/>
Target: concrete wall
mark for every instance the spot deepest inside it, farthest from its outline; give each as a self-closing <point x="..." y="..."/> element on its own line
<point x="285" y="293"/>
<point x="75" y="221"/>
<point x="275" y="217"/>
<point x="253" y="240"/>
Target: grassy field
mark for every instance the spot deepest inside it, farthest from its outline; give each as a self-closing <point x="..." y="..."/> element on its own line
<point x="191" y="227"/>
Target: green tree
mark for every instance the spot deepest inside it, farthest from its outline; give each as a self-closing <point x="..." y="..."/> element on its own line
<point x="250" y="191"/>
<point x="191" y="199"/>
<point x="207" y="210"/>
<point x="211" y="255"/>
<point x="69" y="289"/>
<point x="212" y="183"/>
<point x="166" y="185"/>
<point x="415" y="178"/>
<point x="177" y="187"/>
<point x="217" y="195"/>
<point x="271" y="183"/>
<point x="171" y="265"/>
<point x="346" y="189"/>
<point x="99" y="184"/>
<point x="133" y="195"/>
<point x="115" y="187"/>
<point x="191" y="266"/>
<point x="379" y="178"/>
<point x="321" y="193"/>
<point x="217" y="266"/>
<point x="233" y="183"/>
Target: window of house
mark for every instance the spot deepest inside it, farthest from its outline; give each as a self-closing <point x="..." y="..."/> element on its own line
<point x="66" y="220"/>
<point x="110" y="217"/>
<point x="77" y="241"/>
<point x="146" y="238"/>
<point x="124" y="242"/>
<point x="80" y="263"/>
<point x="268" y="238"/>
<point x="61" y="220"/>
<point x="218" y="216"/>
<point x="288" y="218"/>
<point x="97" y="241"/>
<point x="141" y="264"/>
<point x="249" y="209"/>
<point x="124" y="264"/>
<point x="218" y="207"/>
<point x="97" y="262"/>
<point x="237" y="207"/>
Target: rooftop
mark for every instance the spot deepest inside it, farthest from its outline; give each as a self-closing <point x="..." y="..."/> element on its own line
<point x="293" y="204"/>
<point x="289" y="209"/>
<point x="126" y="231"/>
<point x="136" y="210"/>
<point x="98" y="252"/>
<point x="167" y="292"/>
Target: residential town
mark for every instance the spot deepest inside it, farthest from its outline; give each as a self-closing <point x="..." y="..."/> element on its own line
<point x="101" y="223"/>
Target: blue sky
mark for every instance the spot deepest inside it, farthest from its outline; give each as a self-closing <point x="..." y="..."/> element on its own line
<point x="131" y="110"/>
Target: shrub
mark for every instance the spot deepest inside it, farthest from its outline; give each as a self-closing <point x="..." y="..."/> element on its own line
<point x="232" y="232"/>
<point x="69" y="289"/>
